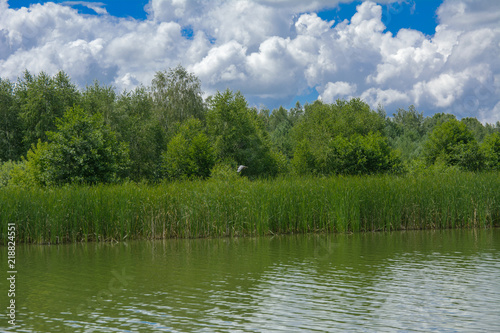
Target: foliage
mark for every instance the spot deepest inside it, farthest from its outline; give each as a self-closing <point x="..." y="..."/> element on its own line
<point x="342" y="138"/>
<point x="177" y="96"/>
<point x="238" y="135"/>
<point x="437" y="119"/>
<point x="82" y="150"/>
<point x="189" y="153"/>
<point x="476" y="128"/>
<point x="366" y="154"/>
<point x="322" y="122"/>
<point x="10" y="123"/>
<point x="239" y="207"/>
<point x="99" y="99"/>
<point x="224" y="171"/>
<point x="280" y="127"/>
<point x="490" y="149"/>
<point x="345" y="137"/>
<point x="135" y="125"/>
<point x="6" y="172"/>
<point x="405" y="132"/>
<point x="42" y="99"/>
<point x="361" y="154"/>
<point x="452" y="142"/>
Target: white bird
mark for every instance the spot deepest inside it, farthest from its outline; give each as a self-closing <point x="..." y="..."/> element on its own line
<point x="241" y="167"/>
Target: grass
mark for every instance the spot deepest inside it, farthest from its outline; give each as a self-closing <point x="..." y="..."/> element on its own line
<point x="240" y="207"/>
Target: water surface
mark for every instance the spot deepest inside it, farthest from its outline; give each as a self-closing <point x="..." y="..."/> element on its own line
<point x="421" y="281"/>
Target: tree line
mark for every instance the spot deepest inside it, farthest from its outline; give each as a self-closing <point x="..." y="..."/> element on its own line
<point x="53" y="133"/>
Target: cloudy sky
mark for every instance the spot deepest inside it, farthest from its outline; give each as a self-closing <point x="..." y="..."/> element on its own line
<point x="441" y="56"/>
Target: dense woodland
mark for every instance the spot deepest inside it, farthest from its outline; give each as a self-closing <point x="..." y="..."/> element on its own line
<point x="52" y="133"/>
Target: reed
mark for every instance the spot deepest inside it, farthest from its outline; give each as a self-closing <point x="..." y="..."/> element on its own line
<point x="218" y="208"/>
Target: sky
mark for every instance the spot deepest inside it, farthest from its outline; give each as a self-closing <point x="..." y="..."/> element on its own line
<point x="438" y="55"/>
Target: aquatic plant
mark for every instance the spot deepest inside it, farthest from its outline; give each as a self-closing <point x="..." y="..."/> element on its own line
<point x="239" y="207"/>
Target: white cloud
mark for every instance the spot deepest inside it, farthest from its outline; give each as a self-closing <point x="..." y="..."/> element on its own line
<point x="334" y="90"/>
<point x="377" y="96"/>
<point x="489" y="116"/>
<point x="311" y="24"/>
<point x="270" y="50"/>
<point x="97" y="7"/>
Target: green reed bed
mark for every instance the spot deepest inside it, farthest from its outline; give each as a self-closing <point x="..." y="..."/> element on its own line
<point x="241" y="207"/>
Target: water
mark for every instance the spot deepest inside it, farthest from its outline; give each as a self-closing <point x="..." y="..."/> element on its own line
<point x="443" y="281"/>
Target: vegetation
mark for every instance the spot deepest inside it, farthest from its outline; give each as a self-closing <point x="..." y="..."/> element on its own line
<point x="241" y="207"/>
<point x="51" y="133"/>
<point x="160" y="161"/>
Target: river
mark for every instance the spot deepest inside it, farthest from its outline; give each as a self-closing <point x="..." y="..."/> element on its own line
<point x="418" y="281"/>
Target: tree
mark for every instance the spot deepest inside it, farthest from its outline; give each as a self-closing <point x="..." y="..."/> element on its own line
<point x="326" y="134"/>
<point x="406" y="132"/>
<point x="435" y="120"/>
<point x="10" y="123"/>
<point x="280" y="127"/>
<point x="177" y="96"/>
<point x="360" y="154"/>
<point x="238" y="135"/>
<point x="322" y="122"/>
<point x="82" y="150"/>
<point x="189" y="153"/>
<point x="453" y="143"/>
<point x="99" y="99"/>
<point x="304" y="161"/>
<point x="135" y="125"/>
<point x="42" y="99"/>
<point x="475" y="126"/>
<point x="490" y="149"/>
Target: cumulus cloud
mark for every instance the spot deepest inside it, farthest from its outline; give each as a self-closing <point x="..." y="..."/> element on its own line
<point x="97" y="7"/>
<point x="335" y="90"/>
<point x="270" y="50"/>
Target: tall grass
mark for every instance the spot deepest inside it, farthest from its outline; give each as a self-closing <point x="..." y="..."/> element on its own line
<point x="240" y="207"/>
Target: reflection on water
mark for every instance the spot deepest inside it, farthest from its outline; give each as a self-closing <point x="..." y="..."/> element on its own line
<point x="409" y="281"/>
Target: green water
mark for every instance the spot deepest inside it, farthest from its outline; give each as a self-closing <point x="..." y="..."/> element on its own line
<point x="443" y="281"/>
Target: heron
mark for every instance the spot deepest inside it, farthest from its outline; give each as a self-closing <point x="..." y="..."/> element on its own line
<point x="241" y="167"/>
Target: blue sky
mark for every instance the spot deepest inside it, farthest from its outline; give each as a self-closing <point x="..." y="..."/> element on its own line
<point x="118" y="8"/>
<point x="441" y="56"/>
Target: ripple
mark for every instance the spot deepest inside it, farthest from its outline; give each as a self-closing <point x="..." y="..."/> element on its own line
<point x="277" y="285"/>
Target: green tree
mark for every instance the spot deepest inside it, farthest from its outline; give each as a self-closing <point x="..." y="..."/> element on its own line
<point x="177" y="96"/>
<point x="435" y="120"/>
<point x="326" y="134"/>
<point x="238" y="135"/>
<point x="322" y="122"/>
<point x="82" y="150"/>
<point x="189" y="153"/>
<point x="42" y="99"/>
<point x="490" y="149"/>
<point x="280" y="127"/>
<point x="475" y="126"/>
<point x="406" y="132"/>
<point x="10" y="123"/>
<point x="304" y="161"/>
<point x="99" y="99"/>
<point x="135" y="125"/>
<point x="453" y="143"/>
<point x="362" y="154"/>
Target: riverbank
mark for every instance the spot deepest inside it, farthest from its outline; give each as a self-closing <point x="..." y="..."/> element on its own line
<point x="240" y="207"/>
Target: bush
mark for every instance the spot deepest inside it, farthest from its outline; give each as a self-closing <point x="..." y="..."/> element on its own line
<point x="224" y="171"/>
<point x="453" y="143"/>
<point x="82" y="150"/>
<point x="490" y="149"/>
<point x="189" y="154"/>
<point x="361" y="154"/>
